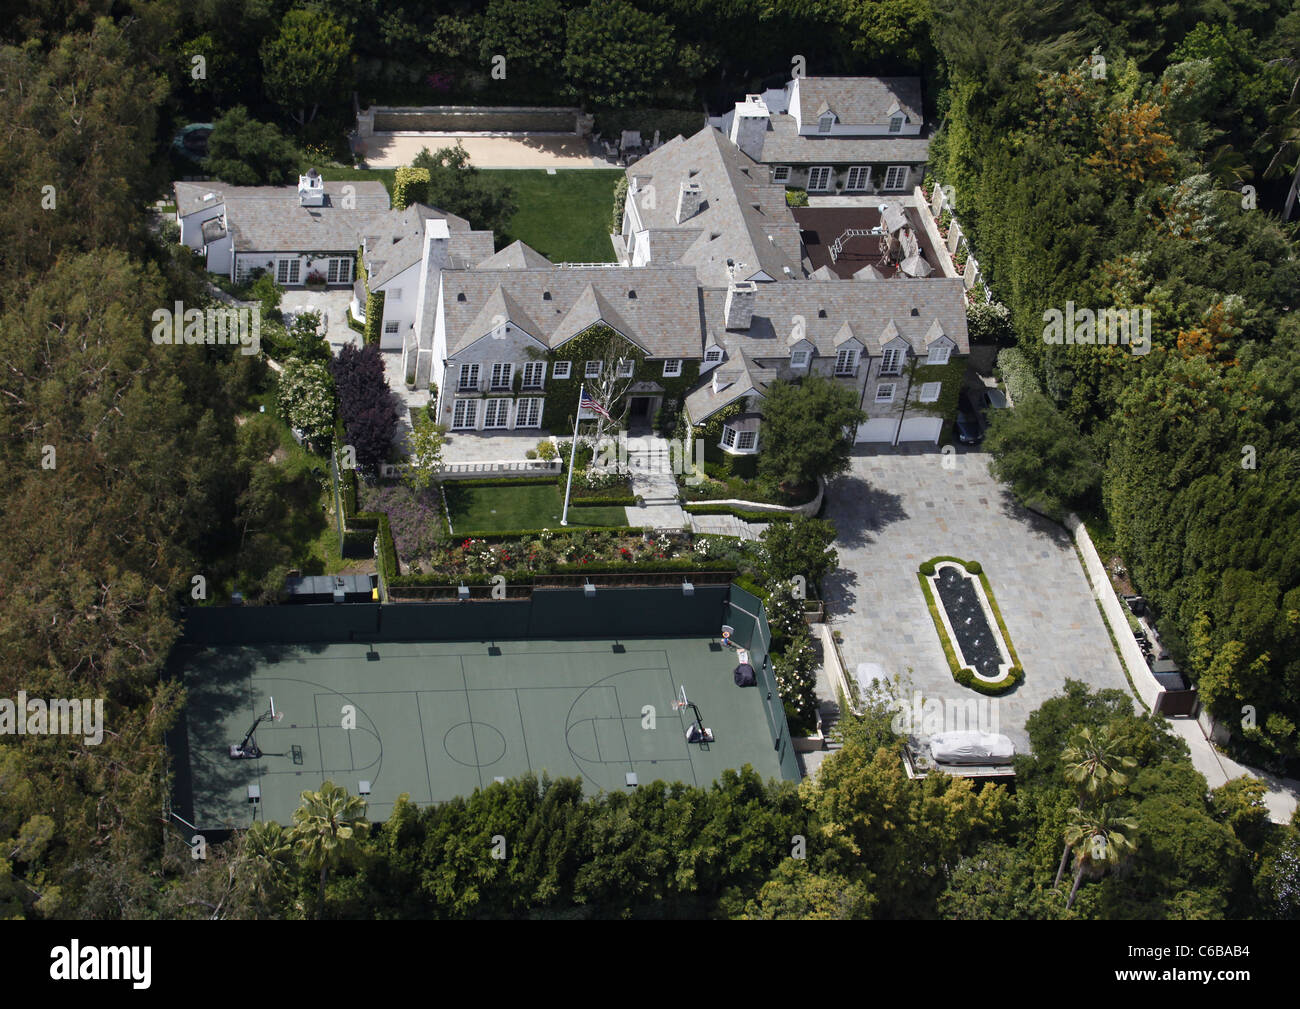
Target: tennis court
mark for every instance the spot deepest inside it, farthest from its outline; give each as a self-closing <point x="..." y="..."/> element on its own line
<point x="440" y="719"/>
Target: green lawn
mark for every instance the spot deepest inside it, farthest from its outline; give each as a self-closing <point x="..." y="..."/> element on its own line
<point x="533" y="506"/>
<point x="565" y="216"/>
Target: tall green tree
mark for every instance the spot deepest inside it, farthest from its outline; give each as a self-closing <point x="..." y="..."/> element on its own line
<point x="245" y="152"/>
<point x="308" y="63"/>
<point x="807" y="431"/>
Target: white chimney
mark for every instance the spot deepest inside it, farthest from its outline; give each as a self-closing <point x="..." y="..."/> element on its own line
<point x="748" y="124"/>
<point x="688" y="201"/>
<point x="311" y="189"/>
<point x="738" y="312"/>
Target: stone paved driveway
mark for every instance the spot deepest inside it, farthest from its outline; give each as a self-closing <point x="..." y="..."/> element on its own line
<point x="899" y="507"/>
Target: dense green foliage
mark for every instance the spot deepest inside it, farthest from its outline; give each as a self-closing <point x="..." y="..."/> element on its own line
<point x="1097" y="157"/>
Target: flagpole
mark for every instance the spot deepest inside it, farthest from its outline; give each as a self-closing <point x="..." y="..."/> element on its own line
<point x="564" y="516"/>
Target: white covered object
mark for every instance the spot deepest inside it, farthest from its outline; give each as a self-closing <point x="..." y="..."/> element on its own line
<point x="971" y="747"/>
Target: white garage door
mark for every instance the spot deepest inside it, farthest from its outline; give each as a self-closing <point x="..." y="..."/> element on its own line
<point x="878" y="429"/>
<point x="921" y="429"/>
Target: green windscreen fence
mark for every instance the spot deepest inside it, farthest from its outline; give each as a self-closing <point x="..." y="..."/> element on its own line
<point x="748" y="620"/>
<point x="658" y="611"/>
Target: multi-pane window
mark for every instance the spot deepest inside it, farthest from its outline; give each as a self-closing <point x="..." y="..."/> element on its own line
<point x="672" y="367"/>
<point x="799" y="359"/>
<point x="930" y="392"/>
<point x="885" y="392"/>
<point x="825" y="123"/>
<point x="395" y="294"/>
<point x="468" y="377"/>
<point x="713" y="355"/>
<point x="896" y="124"/>
<point x="534" y="373"/>
<point x="561" y="369"/>
<point x="391" y="326"/>
<point x="781" y="173"/>
<point x="529" y="413"/>
<point x="287" y="271"/>
<point x="939" y="355"/>
<point x="729" y="437"/>
<point x="625" y="367"/>
<point x="340" y="271"/>
<point x="859" y="176"/>
<point x="592" y="370"/>
<point x="893" y="362"/>
<point x="895" y="177"/>
<point x="846" y="361"/>
<point x="747" y="440"/>
<point x="502" y="372"/>
<point x="496" y="414"/>
<point x="819" y="178"/>
<point x="466" y="414"/>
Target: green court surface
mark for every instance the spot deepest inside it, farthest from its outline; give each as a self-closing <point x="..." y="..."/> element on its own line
<point x="440" y="719"/>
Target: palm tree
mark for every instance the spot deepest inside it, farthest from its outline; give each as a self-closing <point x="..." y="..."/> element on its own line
<point x="1100" y="842"/>
<point x="266" y="849"/>
<point x="1095" y="765"/>
<point x="326" y="828"/>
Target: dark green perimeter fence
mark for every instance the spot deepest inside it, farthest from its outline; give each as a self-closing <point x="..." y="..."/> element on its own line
<point x="748" y="620"/>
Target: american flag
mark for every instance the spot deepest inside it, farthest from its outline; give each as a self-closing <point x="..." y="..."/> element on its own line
<point x="587" y="403"/>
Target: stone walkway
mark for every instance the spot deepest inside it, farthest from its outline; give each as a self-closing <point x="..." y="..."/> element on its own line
<point x="650" y="472"/>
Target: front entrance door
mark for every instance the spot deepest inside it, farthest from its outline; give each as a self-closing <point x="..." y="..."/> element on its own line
<point x="639" y="414"/>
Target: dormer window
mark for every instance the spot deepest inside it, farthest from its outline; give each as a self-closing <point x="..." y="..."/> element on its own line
<point x="893" y="362"/>
<point x="824" y="123"/>
<point x="713" y="355"/>
<point x="896" y="123"/>
<point x="939" y="355"/>
<point x="799" y="359"/>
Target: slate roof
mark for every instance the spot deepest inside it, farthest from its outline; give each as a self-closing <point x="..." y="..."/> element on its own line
<point x="860" y="101"/>
<point x="663" y="318"/>
<point x="783" y="145"/>
<point x="742" y="215"/>
<point x="395" y="241"/>
<point x="270" y="218"/>
<point x="735" y="378"/>
<point x="516" y="256"/>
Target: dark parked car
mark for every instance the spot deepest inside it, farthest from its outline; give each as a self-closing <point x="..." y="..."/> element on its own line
<point x="968" y="428"/>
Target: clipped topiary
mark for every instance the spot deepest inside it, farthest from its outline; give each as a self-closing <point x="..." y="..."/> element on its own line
<point x="974" y="567"/>
<point x="927" y="568"/>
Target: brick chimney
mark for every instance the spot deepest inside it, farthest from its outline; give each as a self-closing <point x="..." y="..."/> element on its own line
<point x="739" y="310"/>
<point x="688" y="201"/>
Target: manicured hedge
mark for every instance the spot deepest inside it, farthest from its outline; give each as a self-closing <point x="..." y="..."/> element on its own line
<point x="608" y="501"/>
<point x="519" y="481"/>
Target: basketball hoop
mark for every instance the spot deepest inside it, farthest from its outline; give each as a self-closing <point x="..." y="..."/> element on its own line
<point x="278" y="716"/>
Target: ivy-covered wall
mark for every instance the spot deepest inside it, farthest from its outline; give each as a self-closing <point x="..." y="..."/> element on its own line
<point x="711" y="432"/>
<point x="951" y="375"/>
<point x="562" y="394"/>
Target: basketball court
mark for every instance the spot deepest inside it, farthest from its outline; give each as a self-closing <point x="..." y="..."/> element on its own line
<point x="440" y="719"/>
